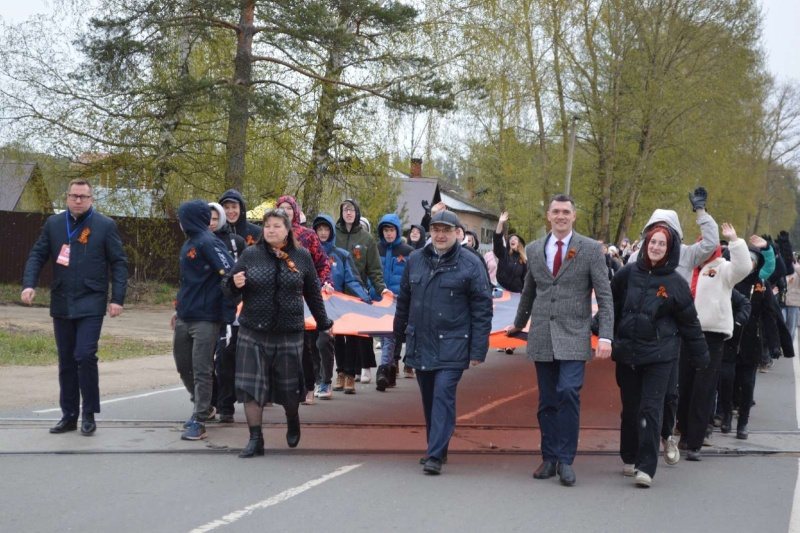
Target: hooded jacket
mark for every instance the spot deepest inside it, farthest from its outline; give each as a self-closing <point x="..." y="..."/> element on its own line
<point x="204" y="261"/>
<point x="233" y="243"/>
<point x="344" y="273"/>
<point x="394" y="255"/>
<point x="246" y="230"/>
<point x="653" y="311"/>
<point x="308" y="238"/>
<point x="691" y="256"/>
<point x="80" y="289"/>
<point x="714" y="285"/>
<point x="510" y="268"/>
<point x="362" y="247"/>
<point x="423" y="236"/>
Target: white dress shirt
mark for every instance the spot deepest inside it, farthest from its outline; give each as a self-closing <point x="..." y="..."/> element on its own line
<point x="551" y="247"/>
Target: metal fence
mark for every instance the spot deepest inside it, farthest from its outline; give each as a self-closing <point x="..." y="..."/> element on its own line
<point x="152" y="246"/>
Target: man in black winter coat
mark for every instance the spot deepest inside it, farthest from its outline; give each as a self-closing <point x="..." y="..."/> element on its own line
<point x="85" y="248"/>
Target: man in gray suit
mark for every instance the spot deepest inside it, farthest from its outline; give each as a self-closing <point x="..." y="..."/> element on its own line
<point x="563" y="269"/>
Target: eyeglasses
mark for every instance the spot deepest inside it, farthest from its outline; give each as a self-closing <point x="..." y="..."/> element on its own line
<point x="348" y="210"/>
<point x="81" y="197"/>
<point x="442" y="229"/>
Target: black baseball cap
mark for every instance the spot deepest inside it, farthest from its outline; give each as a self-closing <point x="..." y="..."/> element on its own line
<point x="446" y="218"/>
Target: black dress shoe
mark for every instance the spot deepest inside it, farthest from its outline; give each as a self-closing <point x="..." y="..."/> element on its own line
<point x="293" y="431"/>
<point x="88" y="427"/>
<point x="432" y="466"/>
<point x="566" y="474"/>
<point x="546" y="470"/>
<point x="64" y="425"/>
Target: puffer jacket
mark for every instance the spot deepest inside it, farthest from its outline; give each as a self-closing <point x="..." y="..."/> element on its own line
<point x="362" y="247"/>
<point x="653" y="310"/>
<point x="444" y="309"/>
<point x="343" y="270"/>
<point x="308" y="238"/>
<point x="394" y="255"/>
<point x="273" y="294"/>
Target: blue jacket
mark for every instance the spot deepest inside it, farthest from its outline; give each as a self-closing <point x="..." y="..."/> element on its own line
<point x="394" y="255"/>
<point x="343" y="269"/>
<point x="204" y="261"/>
<point x="80" y="289"/>
<point x="444" y="309"/>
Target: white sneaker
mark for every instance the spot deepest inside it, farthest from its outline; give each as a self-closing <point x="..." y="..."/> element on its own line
<point x="366" y="375"/>
<point x="643" y="480"/>
<point x="671" y="452"/>
<point x="628" y="470"/>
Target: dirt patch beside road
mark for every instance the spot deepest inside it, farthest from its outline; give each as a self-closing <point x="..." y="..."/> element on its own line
<point x="37" y="387"/>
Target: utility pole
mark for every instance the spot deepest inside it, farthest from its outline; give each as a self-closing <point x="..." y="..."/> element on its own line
<point x="570" y="153"/>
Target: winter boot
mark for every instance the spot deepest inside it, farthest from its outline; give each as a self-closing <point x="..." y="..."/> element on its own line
<point x="255" y="446"/>
<point x="382" y="378"/>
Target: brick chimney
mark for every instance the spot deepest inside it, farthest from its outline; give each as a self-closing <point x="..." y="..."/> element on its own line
<point x="416" y="167"/>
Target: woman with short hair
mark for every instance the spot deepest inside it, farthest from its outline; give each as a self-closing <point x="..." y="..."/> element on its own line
<point x="273" y="277"/>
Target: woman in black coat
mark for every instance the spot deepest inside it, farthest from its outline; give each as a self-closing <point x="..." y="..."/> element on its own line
<point x="653" y="312"/>
<point x="512" y="263"/>
<point x="273" y="277"/>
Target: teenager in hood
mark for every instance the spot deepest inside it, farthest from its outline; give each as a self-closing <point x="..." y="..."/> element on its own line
<point x="653" y="313"/>
<point x="223" y="397"/>
<point x="394" y="256"/>
<point x="345" y="279"/>
<point x="200" y="311"/>
<point x="351" y="236"/>
<point x="417" y="237"/>
<point x="236" y="216"/>
<point x="691" y="256"/>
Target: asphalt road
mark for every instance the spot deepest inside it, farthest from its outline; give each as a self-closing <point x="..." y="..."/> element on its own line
<point x="163" y="484"/>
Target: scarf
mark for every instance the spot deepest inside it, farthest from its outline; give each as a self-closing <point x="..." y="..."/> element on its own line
<point x="696" y="272"/>
<point x="280" y="254"/>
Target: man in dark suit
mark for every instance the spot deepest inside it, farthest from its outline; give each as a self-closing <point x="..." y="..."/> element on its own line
<point x="563" y="269"/>
<point x="85" y="249"/>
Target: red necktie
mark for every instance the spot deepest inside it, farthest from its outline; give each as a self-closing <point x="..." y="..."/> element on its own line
<point x="557" y="258"/>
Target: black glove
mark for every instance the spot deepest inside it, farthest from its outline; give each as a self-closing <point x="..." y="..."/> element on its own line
<point x="427" y="207"/>
<point x="698" y="198"/>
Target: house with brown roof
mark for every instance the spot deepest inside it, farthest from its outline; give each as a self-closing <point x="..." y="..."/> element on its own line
<point x="414" y="188"/>
<point x="22" y="188"/>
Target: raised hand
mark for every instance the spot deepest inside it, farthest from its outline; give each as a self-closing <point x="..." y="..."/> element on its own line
<point x="729" y="232"/>
<point x="758" y="241"/>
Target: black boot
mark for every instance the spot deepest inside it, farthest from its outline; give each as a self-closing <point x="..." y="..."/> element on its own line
<point x="293" y="431"/>
<point x="392" y="376"/>
<point x="741" y="432"/>
<point x="727" y="420"/>
<point x="255" y="446"/>
<point x="382" y="378"/>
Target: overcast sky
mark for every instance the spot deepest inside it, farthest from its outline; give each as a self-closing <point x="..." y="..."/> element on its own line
<point x="781" y="30"/>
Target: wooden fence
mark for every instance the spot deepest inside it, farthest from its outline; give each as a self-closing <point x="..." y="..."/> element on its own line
<point x="152" y="246"/>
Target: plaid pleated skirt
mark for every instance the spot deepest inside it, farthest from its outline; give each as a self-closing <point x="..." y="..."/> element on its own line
<point x="269" y="367"/>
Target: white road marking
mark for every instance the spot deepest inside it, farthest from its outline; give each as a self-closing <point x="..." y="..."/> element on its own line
<point x="496" y="403"/>
<point x="104" y="402"/>
<point x="275" y="500"/>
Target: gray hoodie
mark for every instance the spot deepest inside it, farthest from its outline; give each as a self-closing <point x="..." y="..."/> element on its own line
<point x="691" y="255"/>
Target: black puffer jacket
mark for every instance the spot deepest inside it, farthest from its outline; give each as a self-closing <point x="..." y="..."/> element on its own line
<point x="273" y="294"/>
<point x="653" y="310"/>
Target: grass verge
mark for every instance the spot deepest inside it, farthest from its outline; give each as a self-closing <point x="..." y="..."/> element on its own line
<point x="37" y="348"/>
<point x="145" y="294"/>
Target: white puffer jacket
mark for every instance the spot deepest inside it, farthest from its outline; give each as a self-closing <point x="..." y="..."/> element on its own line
<point x="714" y="285"/>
